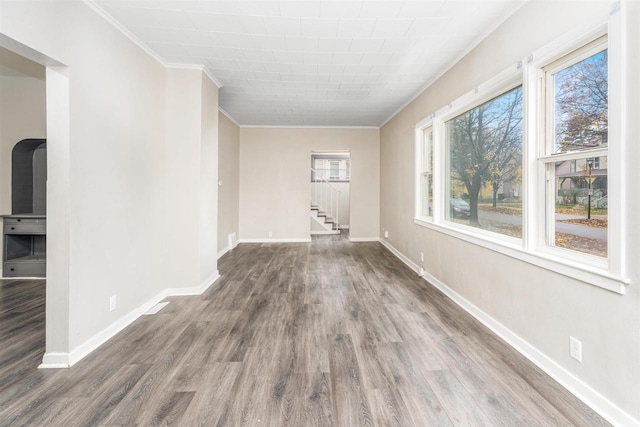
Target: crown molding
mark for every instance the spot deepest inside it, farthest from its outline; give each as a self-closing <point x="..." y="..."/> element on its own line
<point x="118" y="26"/>
<point x="309" y="127"/>
<point x="228" y="116"/>
<point x="196" y="67"/>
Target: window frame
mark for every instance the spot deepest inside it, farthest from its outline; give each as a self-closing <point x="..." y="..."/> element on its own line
<point x="500" y="85"/>
<point x="532" y="248"/>
<point x="330" y="158"/>
<point x="424" y="166"/>
<point x="547" y="154"/>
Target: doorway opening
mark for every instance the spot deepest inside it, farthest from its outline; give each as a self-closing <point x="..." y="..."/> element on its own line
<point x="330" y="191"/>
<point x="23" y="171"/>
<point x="34" y="182"/>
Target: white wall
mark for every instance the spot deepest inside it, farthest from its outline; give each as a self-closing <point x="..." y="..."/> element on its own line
<point x="208" y="232"/>
<point x="182" y="163"/>
<point x="229" y="175"/>
<point x="191" y="167"/>
<point x="110" y="162"/>
<point x="22" y="115"/>
<point x="274" y="179"/>
<point x="541" y="307"/>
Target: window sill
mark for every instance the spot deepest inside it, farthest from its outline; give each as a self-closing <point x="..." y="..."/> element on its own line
<point x="582" y="272"/>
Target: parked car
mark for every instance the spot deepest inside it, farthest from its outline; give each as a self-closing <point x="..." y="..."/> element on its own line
<point x="459" y="208"/>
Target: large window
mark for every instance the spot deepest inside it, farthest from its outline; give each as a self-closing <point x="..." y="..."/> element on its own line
<point x="529" y="163"/>
<point x="577" y="130"/>
<point x="484" y="147"/>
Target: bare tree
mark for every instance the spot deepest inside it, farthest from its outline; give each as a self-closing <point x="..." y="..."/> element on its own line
<point x="581" y="104"/>
<point x="485" y="145"/>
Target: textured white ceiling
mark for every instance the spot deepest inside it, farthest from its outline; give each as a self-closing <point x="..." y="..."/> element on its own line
<point x="310" y="62"/>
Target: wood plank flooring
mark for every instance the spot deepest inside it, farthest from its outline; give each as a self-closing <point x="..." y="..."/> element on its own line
<point x="330" y="333"/>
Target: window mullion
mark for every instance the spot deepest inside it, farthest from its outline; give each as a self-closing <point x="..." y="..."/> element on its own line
<point x="532" y="110"/>
<point x="617" y="184"/>
<point x="572" y="155"/>
<point x="439" y="167"/>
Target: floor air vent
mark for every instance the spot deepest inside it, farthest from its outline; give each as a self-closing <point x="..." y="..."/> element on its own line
<point x="156" y="308"/>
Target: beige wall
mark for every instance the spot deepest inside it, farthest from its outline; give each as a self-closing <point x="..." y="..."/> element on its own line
<point x="22" y="115"/>
<point x="542" y="307"/>
<point x="275" y="174"/>
<point x="229" y="175"/>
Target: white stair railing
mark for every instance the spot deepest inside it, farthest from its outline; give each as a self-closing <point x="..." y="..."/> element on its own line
<point x="326" y="197"/>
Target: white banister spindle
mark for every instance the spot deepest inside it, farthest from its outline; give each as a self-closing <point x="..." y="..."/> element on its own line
<point x="337" y="210"/>
<point x="326" y="196"/>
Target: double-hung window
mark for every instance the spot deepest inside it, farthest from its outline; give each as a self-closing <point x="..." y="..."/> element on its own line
<point x="575" y="151"/>
<point x="530" y="163"/>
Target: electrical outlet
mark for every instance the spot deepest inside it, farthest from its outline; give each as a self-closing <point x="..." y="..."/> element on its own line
<point x="271" y="234"/>
<point x="575" y="349"/>
<point x="386" y="234"/>
<point x="422" y="256"/>
<point x="112" y="303"/>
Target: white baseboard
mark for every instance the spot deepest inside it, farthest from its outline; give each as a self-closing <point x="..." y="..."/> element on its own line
<point x="197" y="290"/>
<point x="596" y="401"/>
<point x="344" y="227"/>
<point x="54" y="360"/>
<point x="364" y="239"/>
<point x="412" y="265"/>
<point x="223" y="251"/>
<point x="324" y="233"/>
<point x="274" y="240"/>
<point x="66" y="360"/>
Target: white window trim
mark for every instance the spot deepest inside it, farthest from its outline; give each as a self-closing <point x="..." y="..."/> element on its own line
<point x="611" y="274"/>
<point x="419" y="156"/>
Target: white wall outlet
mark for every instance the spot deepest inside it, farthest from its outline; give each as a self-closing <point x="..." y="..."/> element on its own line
<point x="421" y="256"/>
<point x="271" y="234"/>
<point x="575" y="349"/>
<point x="386" y="234"/>
<point x="112" y="303"/>
<point x="220" y="183"/>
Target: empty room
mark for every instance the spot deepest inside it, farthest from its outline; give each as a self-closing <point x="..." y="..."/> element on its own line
<point x="319" y="212"/>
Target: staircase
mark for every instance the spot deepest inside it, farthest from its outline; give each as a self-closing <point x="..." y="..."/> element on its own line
<point x="327" y="224"/>
<point x="325" y="199"/>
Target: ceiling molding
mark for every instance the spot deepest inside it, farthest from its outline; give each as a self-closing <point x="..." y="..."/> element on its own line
<point x="198" y="68"/>
<point x="310" y="70"/>
<point x="228" y="116"/>
<point x="212" y="78"/>
<point x="309" y="127"/>
<point x="118" y="26"/>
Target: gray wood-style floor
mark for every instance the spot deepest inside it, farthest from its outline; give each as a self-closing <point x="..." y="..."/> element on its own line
<point x="324" y="334"/>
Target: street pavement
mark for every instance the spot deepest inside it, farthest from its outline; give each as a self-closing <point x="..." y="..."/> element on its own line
<point x="561" y="227"/>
